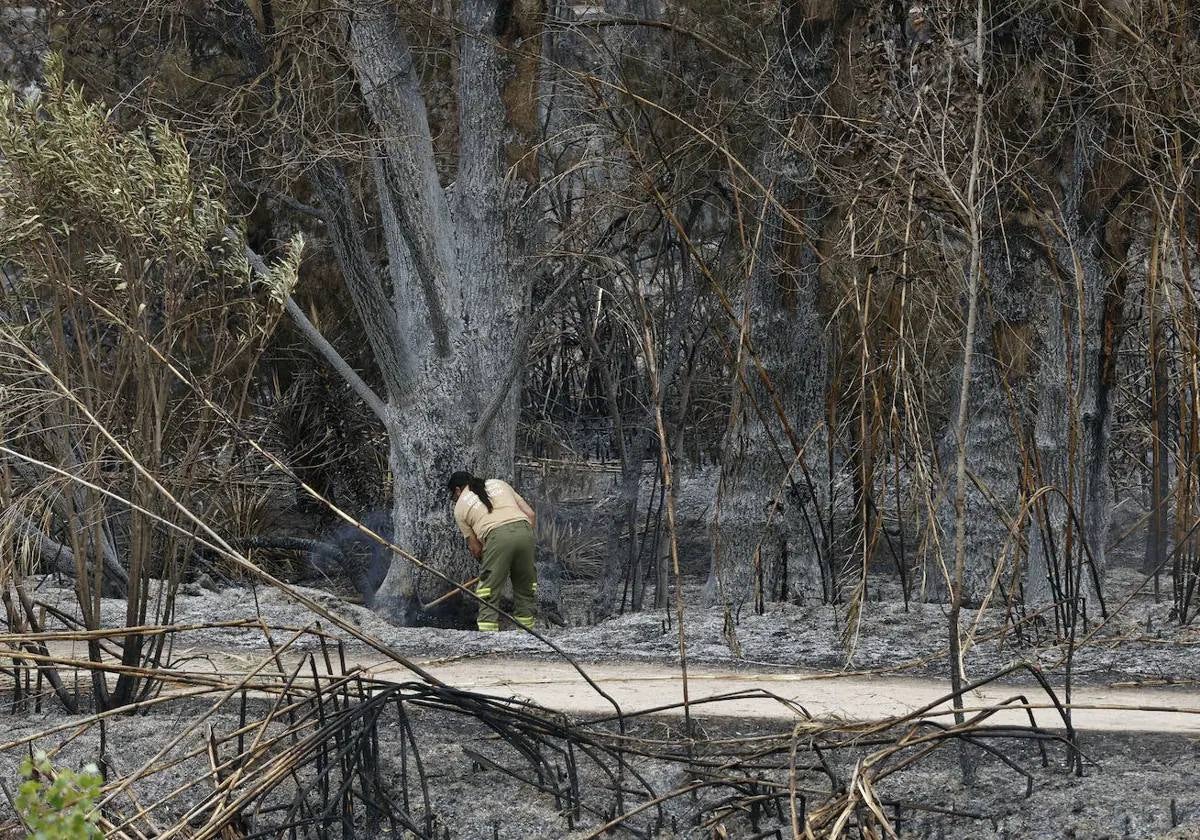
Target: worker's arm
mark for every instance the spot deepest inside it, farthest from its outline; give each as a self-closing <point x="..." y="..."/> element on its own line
<point x="475" y="546"/>
<point x="527" y="510"/>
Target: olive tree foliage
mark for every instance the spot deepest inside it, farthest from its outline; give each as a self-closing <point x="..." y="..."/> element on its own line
<point x="130" y="323"/>
<point x="59" y="804"/>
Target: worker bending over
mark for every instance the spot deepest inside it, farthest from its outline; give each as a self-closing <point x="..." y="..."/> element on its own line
<point x="499" y="527"/>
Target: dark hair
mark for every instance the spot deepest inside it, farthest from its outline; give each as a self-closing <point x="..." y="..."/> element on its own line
<point x="462" y="478"/>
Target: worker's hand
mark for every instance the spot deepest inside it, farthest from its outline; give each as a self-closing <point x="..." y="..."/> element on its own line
<point x="475" y="547"/>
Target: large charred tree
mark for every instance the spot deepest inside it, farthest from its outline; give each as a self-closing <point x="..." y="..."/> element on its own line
<point x="415" y="187"/>
<point x="444" y="311"/>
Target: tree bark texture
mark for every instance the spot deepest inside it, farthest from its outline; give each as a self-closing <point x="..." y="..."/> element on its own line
<point x="442" y="312"/>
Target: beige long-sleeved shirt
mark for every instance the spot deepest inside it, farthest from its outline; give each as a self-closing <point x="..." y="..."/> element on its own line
<point x="473" y="517"/>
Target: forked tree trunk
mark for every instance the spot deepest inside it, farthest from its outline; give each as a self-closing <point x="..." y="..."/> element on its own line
<point x="444" y="326"/>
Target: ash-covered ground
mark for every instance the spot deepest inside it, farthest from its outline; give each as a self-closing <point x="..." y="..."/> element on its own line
<point x="1140" y="643"/>
<point x="1135" y="785"/>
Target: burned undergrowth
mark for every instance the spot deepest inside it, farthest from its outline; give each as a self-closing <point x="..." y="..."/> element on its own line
<point x="307" y="746"/>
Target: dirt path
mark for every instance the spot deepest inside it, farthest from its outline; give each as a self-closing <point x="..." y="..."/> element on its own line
<point x="647" y="686"/>
<point x="639" y="686"/>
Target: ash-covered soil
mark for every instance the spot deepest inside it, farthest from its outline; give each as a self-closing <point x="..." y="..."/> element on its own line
<point x="1139" y="643"/>
<point x="1140" y="786"/>
<point x="1134" y="786"/>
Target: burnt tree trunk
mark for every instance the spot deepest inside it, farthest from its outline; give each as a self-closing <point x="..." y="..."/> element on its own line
<point x="1157" y="536"/>
<point x="1012" y="271"/>
<point x="1076" y="380"/>
<point x="443" y="311"/>
<point x="764" y="520"/>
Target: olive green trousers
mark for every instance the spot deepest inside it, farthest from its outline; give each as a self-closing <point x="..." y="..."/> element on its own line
<point x="508" y="553"/>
